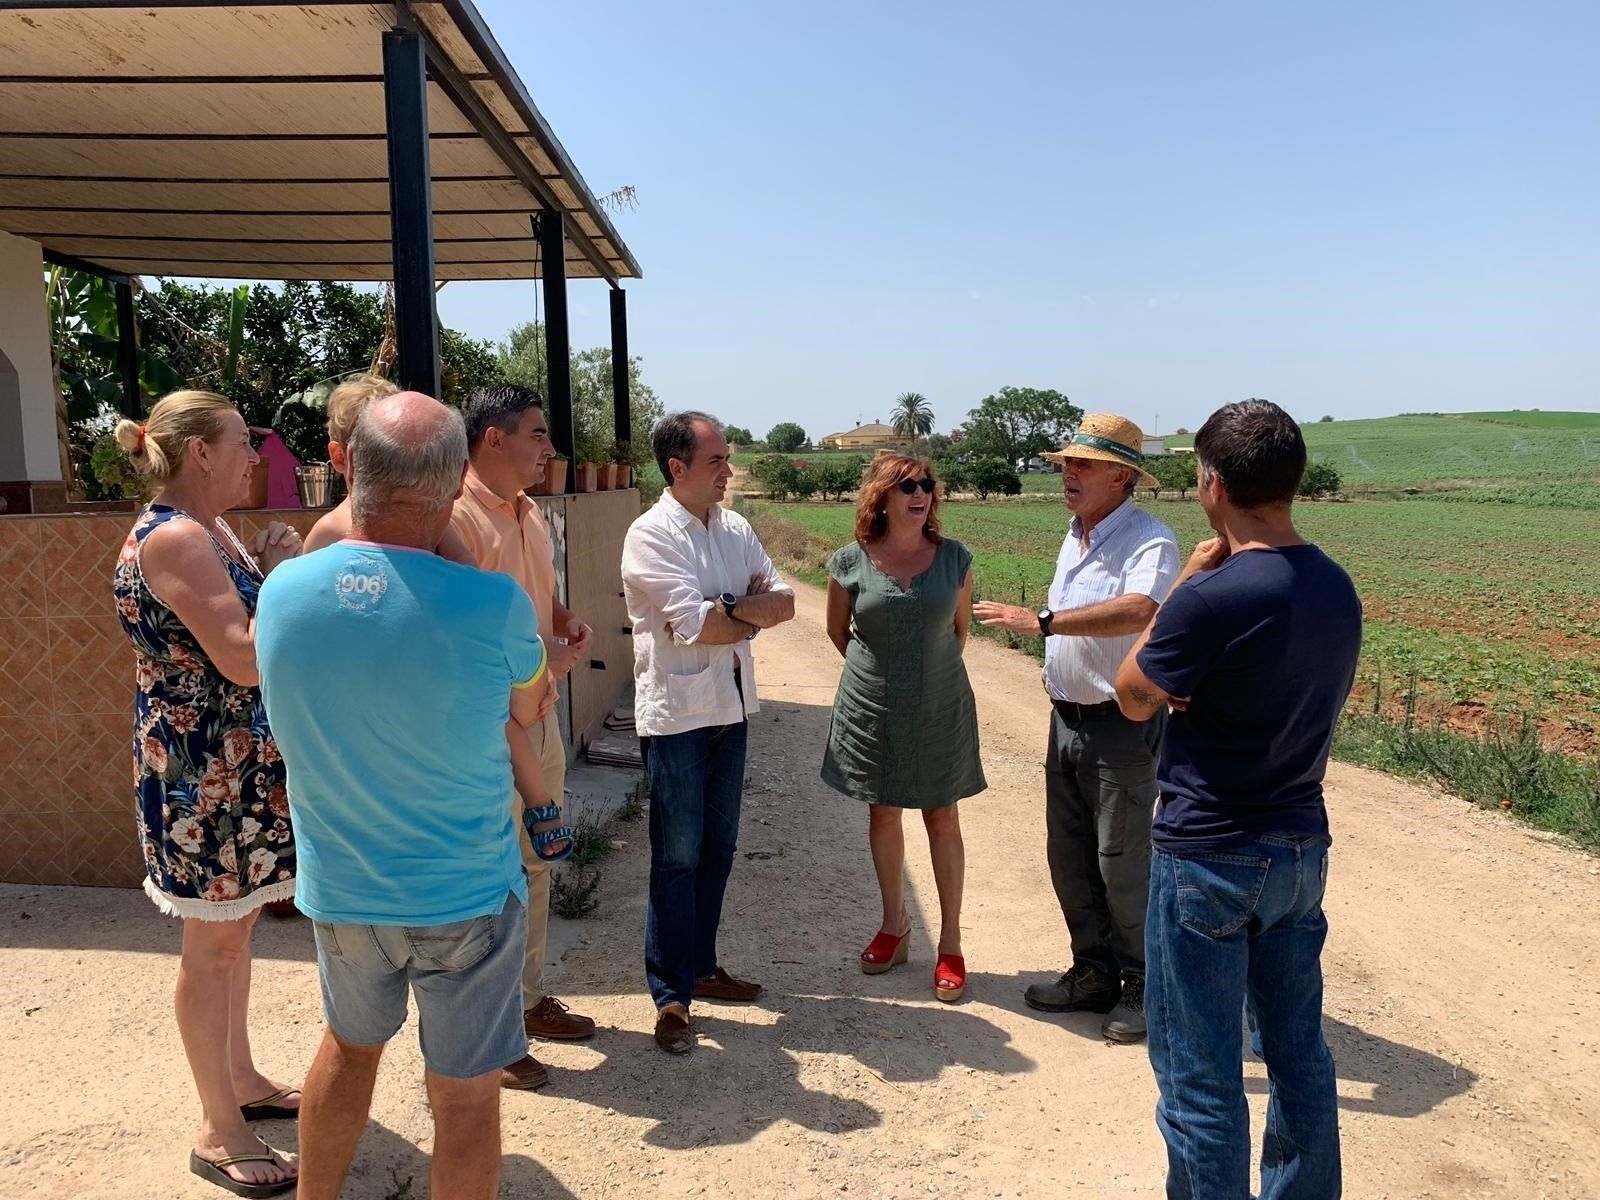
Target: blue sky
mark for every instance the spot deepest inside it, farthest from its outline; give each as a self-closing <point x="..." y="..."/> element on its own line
<point x="1354" y="209"/>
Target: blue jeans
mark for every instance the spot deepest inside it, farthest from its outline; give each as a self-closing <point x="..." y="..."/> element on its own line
<point x="1222" y="929"/>
<point x="696" y="779"/>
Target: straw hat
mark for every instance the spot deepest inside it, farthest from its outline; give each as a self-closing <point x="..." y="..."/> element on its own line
<point x="1109" y="438"/>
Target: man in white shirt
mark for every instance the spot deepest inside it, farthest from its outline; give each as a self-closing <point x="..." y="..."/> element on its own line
<point x="1116" y="565"/>
<point x="699" y="587"/>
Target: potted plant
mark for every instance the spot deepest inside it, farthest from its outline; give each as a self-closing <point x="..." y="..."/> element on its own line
<point x="555" y="477"/>
<point x="629" y="459"/>
<point x="585" y="477"/>
<point x="593" y="448"/>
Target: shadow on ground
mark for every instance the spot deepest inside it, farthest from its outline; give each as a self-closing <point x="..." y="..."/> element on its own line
<point x="747" y="1075"/>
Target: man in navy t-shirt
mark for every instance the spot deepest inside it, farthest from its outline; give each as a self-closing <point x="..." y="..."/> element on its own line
<point x="1255" y="649"/>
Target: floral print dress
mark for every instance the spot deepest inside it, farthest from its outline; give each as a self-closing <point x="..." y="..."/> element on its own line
<point x="212" y="801"/>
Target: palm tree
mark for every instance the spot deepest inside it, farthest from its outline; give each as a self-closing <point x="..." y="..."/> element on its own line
<point x="913" y="418"/>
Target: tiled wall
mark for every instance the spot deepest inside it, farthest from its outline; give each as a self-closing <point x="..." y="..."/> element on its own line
<point x="66" y="678"/>
<point x="66" y="701"/>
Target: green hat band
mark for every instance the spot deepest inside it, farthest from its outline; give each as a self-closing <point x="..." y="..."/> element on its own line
<point x="1099" y="443"/>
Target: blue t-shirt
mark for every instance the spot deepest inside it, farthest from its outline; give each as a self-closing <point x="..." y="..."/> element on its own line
<point x="387" y="676"/>
<point x="1265" y="647"/>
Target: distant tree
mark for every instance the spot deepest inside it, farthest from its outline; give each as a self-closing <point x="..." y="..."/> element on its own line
<point x="836" y="476"/>
<point x="1017" y="423"/>
<point x="1320" y="479"/>
<point x="913" y="418"/>
<point x="1182" y="430"/>
<point x="786" y="437"/>
<point x="738" y="435"/>
<point x="777" y="475"/>
<point x="990" y="474"/>
<point x="953" y="473"/>
<point x="1174" y="472"/>
<point x="1324" y="420"/>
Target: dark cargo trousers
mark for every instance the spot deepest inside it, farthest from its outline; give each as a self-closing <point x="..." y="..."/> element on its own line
<point x="1100" y="794"/>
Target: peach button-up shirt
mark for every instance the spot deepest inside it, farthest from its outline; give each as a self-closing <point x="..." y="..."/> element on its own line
<point x="511" y="539"/>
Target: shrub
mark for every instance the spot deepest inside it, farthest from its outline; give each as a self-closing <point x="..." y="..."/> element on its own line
<point x="777" y="474"/>
<point x="991" y="474"/>
<point x="837" y="476"/>
<point x="1320" y="479"/>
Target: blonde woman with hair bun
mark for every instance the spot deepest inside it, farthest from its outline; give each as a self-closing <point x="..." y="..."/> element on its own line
<point x="209" y="782"/>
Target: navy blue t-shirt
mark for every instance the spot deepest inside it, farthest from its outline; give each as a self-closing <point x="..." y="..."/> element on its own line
<point x="1265" y="647"/>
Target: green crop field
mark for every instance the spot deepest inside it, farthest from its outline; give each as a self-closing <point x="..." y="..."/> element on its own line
<point x="1495" y="607"/>
<point x="1428" y="450"/>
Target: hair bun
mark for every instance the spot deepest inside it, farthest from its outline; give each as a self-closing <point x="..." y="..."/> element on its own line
<point x="130" y="436"/>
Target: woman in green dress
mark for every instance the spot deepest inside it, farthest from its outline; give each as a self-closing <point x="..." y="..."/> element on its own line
<point x="905" y="728"/>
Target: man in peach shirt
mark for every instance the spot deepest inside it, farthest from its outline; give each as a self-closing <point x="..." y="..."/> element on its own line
<point x="508" y="441"/>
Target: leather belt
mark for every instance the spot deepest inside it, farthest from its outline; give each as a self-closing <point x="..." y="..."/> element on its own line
<point x="1086" y="712"/>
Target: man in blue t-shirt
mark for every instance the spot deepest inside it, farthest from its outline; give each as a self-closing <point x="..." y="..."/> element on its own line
<point x="389" y="675"/>
<point x="1255" y="649"/>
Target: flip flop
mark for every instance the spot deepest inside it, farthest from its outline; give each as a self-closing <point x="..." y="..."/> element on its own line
<point x="212" y="1171"/>
<point x="268" y="1108"/>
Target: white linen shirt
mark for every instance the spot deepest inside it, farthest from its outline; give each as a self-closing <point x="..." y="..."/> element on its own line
<point x="673" y="570"/>
<point x="1130" y="553"/>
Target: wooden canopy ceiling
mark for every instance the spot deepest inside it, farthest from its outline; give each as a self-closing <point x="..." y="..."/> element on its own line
<point x="247" y="141"/>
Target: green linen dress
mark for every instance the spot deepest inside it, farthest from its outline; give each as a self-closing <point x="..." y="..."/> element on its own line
<point x="905" y="727"/>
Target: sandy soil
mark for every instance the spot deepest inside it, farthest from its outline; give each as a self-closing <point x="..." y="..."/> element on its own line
<point x="1463" y="986"/>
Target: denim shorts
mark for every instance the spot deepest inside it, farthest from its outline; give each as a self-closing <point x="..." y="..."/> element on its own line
<point x="467" y="977"/>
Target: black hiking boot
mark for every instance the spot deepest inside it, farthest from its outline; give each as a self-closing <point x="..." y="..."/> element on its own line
<point x="1085" y="988"/>
<point x="1125" y="1023"/>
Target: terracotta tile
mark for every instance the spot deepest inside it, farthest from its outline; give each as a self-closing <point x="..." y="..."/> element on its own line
<point x="102" y="851"/>
<point x="81" y="553"/>
<point x="28" y="781"/>
<point x="22" y="569"/>
<point x="31" y="848"/>
<point x="91" y="664"/>
<point x="94" y="764"/>
<point x="26" y="688"/>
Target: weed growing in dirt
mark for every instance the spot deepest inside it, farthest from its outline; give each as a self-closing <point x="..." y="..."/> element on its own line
<point x="633" y="806"/>
<point x="572" y="890"/>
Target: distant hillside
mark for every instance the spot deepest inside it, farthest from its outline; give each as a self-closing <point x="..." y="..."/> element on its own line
<point x="1456" y="448"/>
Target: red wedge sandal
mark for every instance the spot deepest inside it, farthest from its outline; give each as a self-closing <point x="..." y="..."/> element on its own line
<point x="950" y="977"/>
<point x="885" y="951"/>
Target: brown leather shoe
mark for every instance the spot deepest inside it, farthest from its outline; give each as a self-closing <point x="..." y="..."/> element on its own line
<point x="673" y="1033"/>
<point x="723" y="986"/>
<point x="525" y="1075"/>
<point x="554" y="1020"/>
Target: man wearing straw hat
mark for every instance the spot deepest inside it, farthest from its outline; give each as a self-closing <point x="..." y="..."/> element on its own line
<point x="1115" y="567"/>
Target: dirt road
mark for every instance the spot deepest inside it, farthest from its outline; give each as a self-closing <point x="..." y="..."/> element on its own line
<point x="1463" y="991"/>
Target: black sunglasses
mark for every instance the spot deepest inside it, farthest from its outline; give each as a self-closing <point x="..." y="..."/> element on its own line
<point x="909" y="486"/>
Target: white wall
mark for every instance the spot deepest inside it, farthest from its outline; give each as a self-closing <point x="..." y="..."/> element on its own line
<point x="27" y="418"/>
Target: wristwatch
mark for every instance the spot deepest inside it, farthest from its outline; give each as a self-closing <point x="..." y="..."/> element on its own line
<point x="1045" y="617"/>
<point x="728" y="601"/>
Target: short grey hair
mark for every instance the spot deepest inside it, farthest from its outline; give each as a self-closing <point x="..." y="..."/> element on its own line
<point x="388" y="470"/>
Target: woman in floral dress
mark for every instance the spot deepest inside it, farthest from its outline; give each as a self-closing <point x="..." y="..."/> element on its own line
<point x="208" y="780"/>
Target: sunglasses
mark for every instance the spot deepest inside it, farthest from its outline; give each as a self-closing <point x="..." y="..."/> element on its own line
<point x="910" y="486"/>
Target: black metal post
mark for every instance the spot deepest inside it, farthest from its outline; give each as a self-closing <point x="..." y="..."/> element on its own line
<point x="621" y="408"/>
<point x="128" y="354"/>
<point x="548" y="228"/>
<point x="416" y="320"/>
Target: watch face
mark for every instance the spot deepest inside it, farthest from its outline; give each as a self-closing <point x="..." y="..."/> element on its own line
<point x="1044" y="614"/>
<point x="729" y="598"/>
